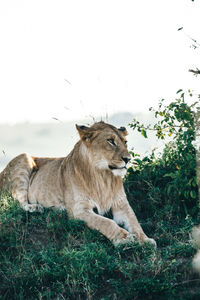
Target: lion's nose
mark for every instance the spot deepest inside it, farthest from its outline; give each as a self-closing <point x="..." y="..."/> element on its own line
<point x="126" y="159"/>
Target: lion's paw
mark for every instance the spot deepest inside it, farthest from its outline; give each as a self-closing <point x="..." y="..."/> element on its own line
<point x="33" y="207"/>
<point x="150" y="241"/>
<point x="125" y="239"/>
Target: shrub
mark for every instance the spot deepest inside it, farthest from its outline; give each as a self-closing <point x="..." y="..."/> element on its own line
<point x="171" y="178"/>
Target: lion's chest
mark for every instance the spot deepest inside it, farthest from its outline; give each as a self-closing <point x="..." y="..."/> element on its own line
<point x="100" y="207"/>
<point x="103" y="193"/>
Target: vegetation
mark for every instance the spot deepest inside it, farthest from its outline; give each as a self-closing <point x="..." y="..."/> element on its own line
<point x="48" y="256"/>
<point x="174" y="172"/>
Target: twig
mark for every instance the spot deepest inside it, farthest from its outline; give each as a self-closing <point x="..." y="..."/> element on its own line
<point x="196" y="72"/>
<point x="56" y="119"/>
<point x="68" y="81"/>
<point x="185" y="282"/>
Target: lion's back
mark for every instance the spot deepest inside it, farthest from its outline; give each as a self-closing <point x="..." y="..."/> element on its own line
<point x="21" y="171"/>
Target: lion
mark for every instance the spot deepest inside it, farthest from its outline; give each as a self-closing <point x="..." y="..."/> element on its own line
<point x="89" y="178"/>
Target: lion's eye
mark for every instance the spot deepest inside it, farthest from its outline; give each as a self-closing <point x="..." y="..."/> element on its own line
<point x="111" y="142"/>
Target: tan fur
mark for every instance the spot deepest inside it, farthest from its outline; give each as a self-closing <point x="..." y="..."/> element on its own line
<point x="89" y="177"/>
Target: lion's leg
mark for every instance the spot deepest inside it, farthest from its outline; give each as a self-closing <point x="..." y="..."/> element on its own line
<point x="16" y="177"/>
<point x="124" y="215"/>
<point x="106" y="226"/>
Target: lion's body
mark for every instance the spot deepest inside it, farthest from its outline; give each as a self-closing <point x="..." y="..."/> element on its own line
<point x="89" y="177"/>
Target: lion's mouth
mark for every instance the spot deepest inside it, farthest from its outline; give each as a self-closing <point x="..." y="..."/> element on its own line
<point x="116" y="168"/>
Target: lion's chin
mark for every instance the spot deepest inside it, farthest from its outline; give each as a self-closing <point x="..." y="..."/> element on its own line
<point x="119" y="172"/>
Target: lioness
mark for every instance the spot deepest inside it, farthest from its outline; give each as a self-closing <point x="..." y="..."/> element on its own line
<point x="89" y="177"/>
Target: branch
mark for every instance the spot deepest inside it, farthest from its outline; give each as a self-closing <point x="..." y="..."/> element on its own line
<point x="186" y="282"/>
<point x="195" y="44"/>
<point x="195" y="72"/>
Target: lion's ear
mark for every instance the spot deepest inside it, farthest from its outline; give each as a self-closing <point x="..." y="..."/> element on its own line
<point x="123" y="130"/>
<point x="84" y="132"/>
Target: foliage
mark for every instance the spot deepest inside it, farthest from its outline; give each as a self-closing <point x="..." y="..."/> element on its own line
<point x="172" y="175"/>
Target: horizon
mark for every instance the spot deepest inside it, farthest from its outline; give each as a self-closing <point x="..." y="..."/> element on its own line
<point x="58" y="138"/>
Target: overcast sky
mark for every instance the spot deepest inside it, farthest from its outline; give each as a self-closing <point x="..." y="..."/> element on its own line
<point x="70" y="59"/>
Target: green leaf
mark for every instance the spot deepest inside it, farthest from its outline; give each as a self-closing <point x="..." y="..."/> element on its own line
<point x="186" y="194"/>
<point x="172" y="175"/>
<point x="194" y="182"/>
<point x="181" y="28"/>
<point x="143" y="132"/>
<point x="179" y="91"/>
<point x="138" y="161"/>
<point x="169" y="189"/>
<point x="193" y="194"/>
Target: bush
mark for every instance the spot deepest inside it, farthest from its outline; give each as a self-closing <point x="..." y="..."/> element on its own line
<point x="171" y="178"/>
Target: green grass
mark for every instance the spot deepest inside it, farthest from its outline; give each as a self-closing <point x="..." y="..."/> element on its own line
<point x="48" y="256"/>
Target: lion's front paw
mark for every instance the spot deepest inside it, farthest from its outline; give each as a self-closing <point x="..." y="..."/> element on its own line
<point x="124" y="237"/>
<point x="151" y="241"/>
<point x="33" y="207"/>
<point x="39" y="208"/>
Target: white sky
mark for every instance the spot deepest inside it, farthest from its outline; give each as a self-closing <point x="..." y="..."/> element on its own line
<point x="118" y="55"/>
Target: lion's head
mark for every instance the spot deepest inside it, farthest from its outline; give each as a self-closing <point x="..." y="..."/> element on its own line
<point x="106" y="147"/>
